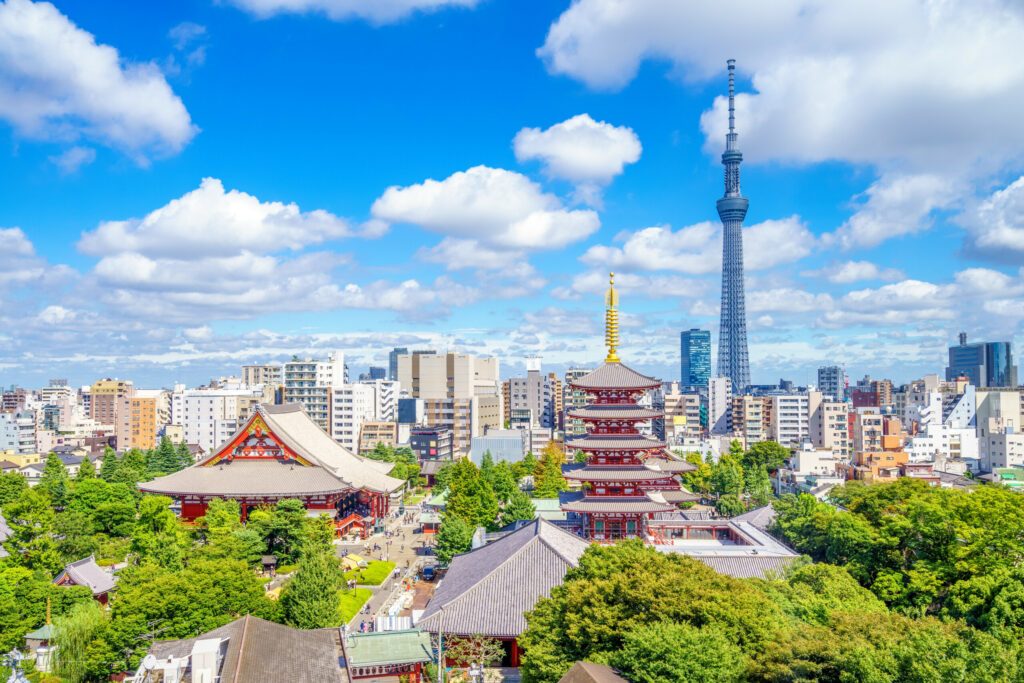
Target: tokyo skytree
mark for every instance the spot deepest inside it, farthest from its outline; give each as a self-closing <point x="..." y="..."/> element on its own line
<point x="733" y="361"/>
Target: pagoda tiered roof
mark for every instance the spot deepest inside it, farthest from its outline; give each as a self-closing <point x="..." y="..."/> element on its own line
<point x="578" y="502"/>
<point x="670" y="465"/>
<point x="616" y="473"/>
<point x="610" y="442"/>
<point x="624" y="411"/>
<point x="615" y="376"/>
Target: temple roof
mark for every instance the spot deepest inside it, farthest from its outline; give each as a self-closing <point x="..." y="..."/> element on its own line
<point x="615" y="376"/>
<point x="612" y="442"/>
<point x="616" y="473"/>
<point x="87" y="573"/>
<point x="669" y="465"/>
<point x="640" y="503"/>
<point x="249" y="478"/>
<point x="680" y="496"/>
<point x="333" y="468"/>
<point x="615" y="412"/>
<point x="509" y="576"/>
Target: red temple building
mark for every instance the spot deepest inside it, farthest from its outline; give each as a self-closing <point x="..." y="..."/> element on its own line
<point x="628" y="476"/>
<point x="281" y="453"/>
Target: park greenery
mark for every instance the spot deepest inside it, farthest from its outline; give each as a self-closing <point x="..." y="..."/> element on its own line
<point x="662" y="618"/>
<point x="740" y="479"/>
<point x="491" y="496"/>
<point x="406" y="464"/>
<point x="175" y="580"/>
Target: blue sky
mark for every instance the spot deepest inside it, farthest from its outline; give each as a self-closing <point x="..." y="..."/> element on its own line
<point x="193" y="185"/>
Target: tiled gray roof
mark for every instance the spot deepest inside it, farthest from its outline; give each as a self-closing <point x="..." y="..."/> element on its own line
<point x="616" y="376"/>
<point x="87" y="573"/>
<point x="669" y="465"/>
<point x="581" y="503"/>
<point x="629" y="442"/>
<point x="248" y="478"/>
<point x="610" y="473"/>
<point x="259" y="651"/>
<point x="762" y="517"/>
<point x="588" y="672"/>
<point x="747" y="566"/>
<point x="680" y="496"/>
<point x="488" y="590"/>
<point x="615" y="412"/>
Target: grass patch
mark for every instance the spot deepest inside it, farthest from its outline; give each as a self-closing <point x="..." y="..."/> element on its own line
<point x="286" y="569"/>
<point x="352" y="601"/>
<point x="373" y="575"/>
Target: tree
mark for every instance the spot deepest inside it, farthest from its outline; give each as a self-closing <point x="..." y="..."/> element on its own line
<point x="475" y="649"/>
<point x="282" y="527"/>
<point x="184" y="456"/>
<point x="163" y="459"/>
<point x="32" y="520"/>
<point x="519" y="507"/>
<point x="454" y="537"/>
<point x="729" y="505"/>
<point x="473" y="502"/>
<point x="548" y="480"/>
<point x="526" y="466"/>
<point x="310" y="599"/>
<point x="727" y="475"/>
<point x="74" y="533"/>
<point x="699" y="479"/>
<point x="768" y="454"/>
<point x="758" y="486"/>
<point x="503" y="482"/>
<point x="681" y="653"/>
<point x="110" y="464"/>
<point x="23" y="600"/>
<point x="55" y="481"/>
<point x="12" y="486"/>
<point x="74" y="635"/>
<point x="487" y="467"/>
<point x="87" y="470"/>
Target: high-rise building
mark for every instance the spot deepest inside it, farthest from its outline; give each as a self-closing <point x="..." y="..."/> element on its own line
<point x="573" y="398"/>
<point x="832" y="382"/>
<point x="790" y="419"/>
<point x="208" y="417"/>
<point x="533" y="397"/>
<point x="351" y="406"/>
<point x="150" y="412"/>
<point x="377" y="373"/>
<point x="733" y="359"/>
<point x="719" y="405"/>
<point x="267" y="373"/>
<point x="459" y="391"/>
<point x="393" y="361"/>
<point x="310" y="383"/>
<point x="695" y="360"/>
<point x="985" y="364"/>
<point x="829" y="424"/>
<point x="752" y="417"/>
<point x="111" y="405"/>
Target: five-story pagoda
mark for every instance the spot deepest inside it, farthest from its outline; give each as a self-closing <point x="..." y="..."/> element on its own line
<point x="628" y="477"/>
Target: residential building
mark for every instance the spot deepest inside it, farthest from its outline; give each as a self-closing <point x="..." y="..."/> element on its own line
<point x="351" y="406"/>
<point x="832" y="382"/>
<point x="811" y="468"/>
<point x="790" y="419"/>
<point x="311" y="383"/>
<point x="829" y="424"/>
<point x="111" y="405"/>
<point x="431" y="443"/>
<point x="18" y="432"/>
<point x="573" y="398"/>
<point x="535" y="396"/>
<point x="269" y="374"/>
<point x="149" y="413"/>
<point x="752" y="417"/>
<point x="720" y="405"/>
<point x="459" y="391"/>
<point x="1001" y="446"/>
<point x="12" y="400"/>
<point x="385" y="399"/>
<point x="373" y="433"/>
<point x="985" y="364"/>
<point x="682" y="414"/>
<point x="208" y="417"/>
<point x="695" y="360"/>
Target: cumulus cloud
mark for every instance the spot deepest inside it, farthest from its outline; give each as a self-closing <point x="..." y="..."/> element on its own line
<point x="595" y="283"/>
<point x="374" y="11"/>
<point x="996" y="224"/>
<point x="697" y="249"/>
<point x="498" y="208"/>
<point x="73" y="159"/>
<point x="215" y="222"/>
<point x="58" y="83"/>
<point x="587" y="153"/>
<point x="55" y="315"/>
<point x="894" y="206"/>
<point x="854" y="271"/>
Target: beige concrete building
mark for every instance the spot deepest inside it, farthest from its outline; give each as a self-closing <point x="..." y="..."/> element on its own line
<point x="149" y="412"/>
<point x="682" y="414"/>
<point x="752" y="417"/>
<point x="829" y="424"/>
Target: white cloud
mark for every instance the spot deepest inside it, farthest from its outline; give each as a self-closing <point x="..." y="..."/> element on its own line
<point x="186" y="33"/>
<point x="13" y="242"/>
<point x="496" y="207"/>
<point x="786" y="300"/>
<point x="595" y="283"/>
<point x="697" y="249"/>
<point x="57" y="82"/>
<point x="996" y="224"/>
<point x="213" y="222"/>
<point x="896" y="205"/>
<point x="201" y="333"/>
<point x="581" y="150"/>
<point x="55" y="315"/>
<point x="458" y="254"/>
<point x="872" y="81"/>
<point x="854" y="271"/>
<point x="374" y="11"/>
<point x="73" y="159"/>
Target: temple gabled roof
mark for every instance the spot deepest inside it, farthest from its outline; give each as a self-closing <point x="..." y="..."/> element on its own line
<point x="577" y="501"/>
<point x="87" y="573"/>
<point x="627" y="411"/>
<point x="486" y="591"/>
<point x="311" y="463"/>
<point x="615" y="376"/>
<point x="614" y="473"/>
<point x="601" y="442"/>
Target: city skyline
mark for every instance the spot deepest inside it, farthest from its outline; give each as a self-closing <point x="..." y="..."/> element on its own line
<point x="258" y="184"/>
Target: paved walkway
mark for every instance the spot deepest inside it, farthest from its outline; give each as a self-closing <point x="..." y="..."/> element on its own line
<point x="404" y="547"/>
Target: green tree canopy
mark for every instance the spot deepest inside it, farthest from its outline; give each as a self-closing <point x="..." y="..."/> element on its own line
<point x="519" y="507"/>
<point x="454" y="537"/>
<point x="310" y="599"/>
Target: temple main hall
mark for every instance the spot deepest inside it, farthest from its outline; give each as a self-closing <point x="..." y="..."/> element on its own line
<point x="281" y="453"/>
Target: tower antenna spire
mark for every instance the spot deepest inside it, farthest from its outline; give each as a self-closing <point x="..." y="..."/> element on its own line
<point x="611" y="321"/>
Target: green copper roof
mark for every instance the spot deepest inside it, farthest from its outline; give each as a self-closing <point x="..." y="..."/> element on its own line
<point x="388" y="647"/>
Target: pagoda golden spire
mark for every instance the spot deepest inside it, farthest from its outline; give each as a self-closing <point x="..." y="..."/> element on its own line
<point x="611" y="321"/>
